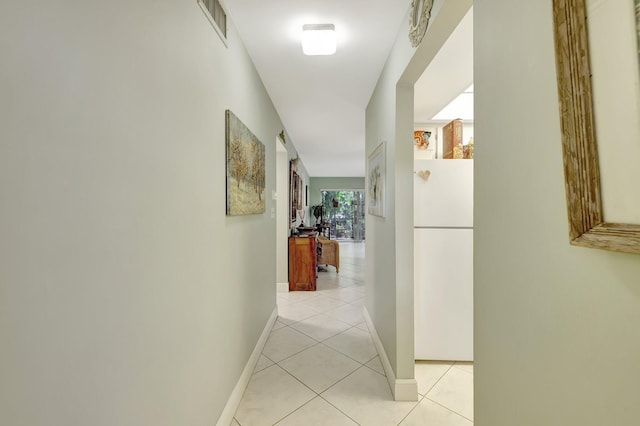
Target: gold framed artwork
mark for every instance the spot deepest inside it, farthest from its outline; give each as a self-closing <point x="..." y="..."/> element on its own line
<point x="245" y="169"/>
<point x="588" y="120"/>
<point x="296" y="193"/>
<point x="376" y="177"/>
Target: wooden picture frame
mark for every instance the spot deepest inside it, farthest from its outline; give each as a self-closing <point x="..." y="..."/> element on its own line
<point x="293" y="194"/>
<point x="296" y="193"/>
<point x="245" y="167"/>
<point x="637" y="11"/>
<point x="587" y="226"/>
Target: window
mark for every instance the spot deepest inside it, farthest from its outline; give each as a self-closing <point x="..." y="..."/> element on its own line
<point x="216" y="15"/>
<point x="343" y="212"/>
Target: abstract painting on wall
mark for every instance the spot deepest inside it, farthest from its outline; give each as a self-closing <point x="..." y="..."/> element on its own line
<point x="245" y="169"/>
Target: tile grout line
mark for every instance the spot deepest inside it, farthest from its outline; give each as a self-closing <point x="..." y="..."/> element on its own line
<point x="461" y="369"/>
<point x="334" y="335"/>
<point x="438" y="403"/>
<point x="448" y="409"/>
<point x="354" y="292"/>
<point x="410" y="411"/>
<point x="320" y="394"/>
<point x="329" y="347"/>
<point x="437" y="381"/>
<point x="348" y="416"/>
<point x="336" y="383"/>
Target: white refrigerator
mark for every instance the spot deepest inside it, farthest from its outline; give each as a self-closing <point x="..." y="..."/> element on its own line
<point x="443" y="259"/>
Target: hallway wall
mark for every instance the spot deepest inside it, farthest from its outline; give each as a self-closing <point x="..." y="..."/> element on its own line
<point x="556" y="339"/>
<point x="126" y="295"/>
<point x="389" y="242"/>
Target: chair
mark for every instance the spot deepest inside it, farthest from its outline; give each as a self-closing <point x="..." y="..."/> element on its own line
<point x="329" y="252"/>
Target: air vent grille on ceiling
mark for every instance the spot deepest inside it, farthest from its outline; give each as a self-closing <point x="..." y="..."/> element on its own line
<point x="218" y="14"/>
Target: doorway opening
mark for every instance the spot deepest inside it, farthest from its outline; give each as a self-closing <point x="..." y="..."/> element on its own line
<point x="281" y="215"/>
<point x="342" y="213"/>
<point x="443" y="210"/>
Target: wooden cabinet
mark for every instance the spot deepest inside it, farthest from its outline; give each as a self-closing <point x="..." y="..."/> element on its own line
<point x="452" y="140"/>
<point x="302" y="263"/>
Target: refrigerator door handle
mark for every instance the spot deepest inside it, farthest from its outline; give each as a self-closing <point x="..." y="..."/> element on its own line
<point x="424" y="174"/>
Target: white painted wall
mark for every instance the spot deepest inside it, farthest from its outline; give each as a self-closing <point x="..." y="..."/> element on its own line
<point x="556" y="339"/>
<point x="617" y="129"/>
<point x="319" y="184"/>
<point x="389" y="243"/>
<point x="127" y="297"/>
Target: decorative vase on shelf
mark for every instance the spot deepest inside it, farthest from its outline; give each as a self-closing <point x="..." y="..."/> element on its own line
<point x="421" y="138"/>
<point x="301" y="216"/>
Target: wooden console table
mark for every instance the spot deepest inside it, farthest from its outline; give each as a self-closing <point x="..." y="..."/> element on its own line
<point x="302" y="263"/>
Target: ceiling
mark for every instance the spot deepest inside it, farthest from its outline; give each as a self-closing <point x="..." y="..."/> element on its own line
<point x="321" y="100"/>
<point x="449" y="73"/>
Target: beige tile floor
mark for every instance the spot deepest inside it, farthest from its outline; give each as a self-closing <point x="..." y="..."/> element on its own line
<point x="320" y="366"/>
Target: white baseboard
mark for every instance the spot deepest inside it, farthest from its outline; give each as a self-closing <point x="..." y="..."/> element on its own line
<point x="405" y="390"/>
<point x="402" y="389"/>
<point x="233" y="402"/>
<point x="282" y="287"/>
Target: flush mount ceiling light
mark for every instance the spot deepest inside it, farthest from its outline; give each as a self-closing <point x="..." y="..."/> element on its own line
<point x="319" y="39"/>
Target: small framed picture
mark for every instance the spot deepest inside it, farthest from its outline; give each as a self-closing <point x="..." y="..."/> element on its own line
<point x="376" y="178"/>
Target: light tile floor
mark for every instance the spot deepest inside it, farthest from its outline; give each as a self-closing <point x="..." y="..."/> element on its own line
<point x="320" y="366"/>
